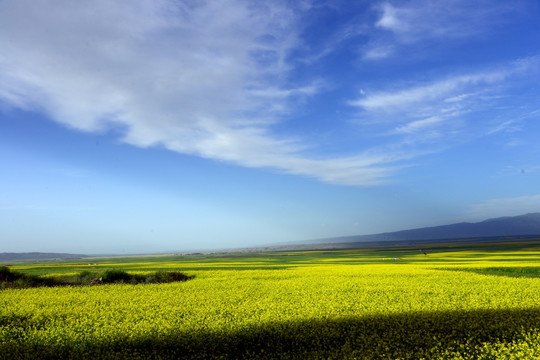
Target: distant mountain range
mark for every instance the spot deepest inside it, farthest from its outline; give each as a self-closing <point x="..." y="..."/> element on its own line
<point x="522" y="225"/>
<point x="37" y="256"/>
<point x="488" y="230"/>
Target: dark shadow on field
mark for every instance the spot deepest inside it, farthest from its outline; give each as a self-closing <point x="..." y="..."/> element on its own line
<point x="508" y="271"/>
<point x="409" y="336"/>
<point x="239" y="268"/>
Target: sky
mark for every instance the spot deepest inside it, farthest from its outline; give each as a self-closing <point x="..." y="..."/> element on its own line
<point x="169" y="125"/>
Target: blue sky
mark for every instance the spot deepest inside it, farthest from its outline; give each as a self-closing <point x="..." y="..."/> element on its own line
<point x="149" y="126"/>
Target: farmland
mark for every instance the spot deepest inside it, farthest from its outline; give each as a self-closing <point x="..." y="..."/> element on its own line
<point x="454" y="302"/>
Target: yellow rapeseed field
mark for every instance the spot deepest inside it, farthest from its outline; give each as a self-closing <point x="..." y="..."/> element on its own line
<point x="454" y="305"/>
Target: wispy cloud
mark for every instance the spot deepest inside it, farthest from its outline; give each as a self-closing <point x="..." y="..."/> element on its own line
<point x="445" y="90"/>
<point x="414" y="21"/>
<point x="435" y="114"/>
<point x="203" y="78"/>
<point x="506" y="126"/>
<point x="335" y="40"/>
<point x="447" y="97"/>
<point x="378" y="52"/>
<point x="418" y="125"/>
<point x="419" y="21"/>
<point x="515" y="124"/>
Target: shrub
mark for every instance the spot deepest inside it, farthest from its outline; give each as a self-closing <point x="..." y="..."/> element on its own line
<point x="115" y="276"/>
<point x="84" y="278"/>
<point x="9" y="279"/>
<point x="6" y="274"/>
<point x="171" y="276"/>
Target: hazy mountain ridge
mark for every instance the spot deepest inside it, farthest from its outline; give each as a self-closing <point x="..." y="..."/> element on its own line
<point x="38" y="256"/>
<point x="528" y="224"/>
<point x="496" y="229"/>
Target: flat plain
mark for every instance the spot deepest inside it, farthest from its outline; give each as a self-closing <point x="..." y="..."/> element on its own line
<point x="467" y="301"/>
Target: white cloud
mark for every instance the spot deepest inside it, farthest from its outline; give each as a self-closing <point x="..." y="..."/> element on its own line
<point x="203" y="78"/>
<point x="505" y="207"/>
<point x="334" y="41"/>
<point x="515" y="124"/>
<point x="379" y="52"/>
<point x="391" y="18"/>
<point x="438" y="90"/>
<point x="417" y="125"/>
<point x="506" y="126"/>
<point x="417" y="20"/>
<point x="458" y="98"/>
<point x="424" y="105"/>
<point x="433" y="115"/>
<point x="422" y="20"/>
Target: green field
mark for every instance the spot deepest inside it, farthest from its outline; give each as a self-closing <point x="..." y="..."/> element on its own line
<point x="466" y="302"/>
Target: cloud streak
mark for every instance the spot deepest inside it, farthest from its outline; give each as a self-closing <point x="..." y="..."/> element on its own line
<point x="415" y="126"/>
<point x="445" y="105"/>
<point x="435" y="115"/>
<point x="412" y="22"/>
<point x="438" y="90"/>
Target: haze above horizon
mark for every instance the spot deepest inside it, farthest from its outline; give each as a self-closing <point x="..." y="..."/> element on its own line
<point x="140" y="127"/>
